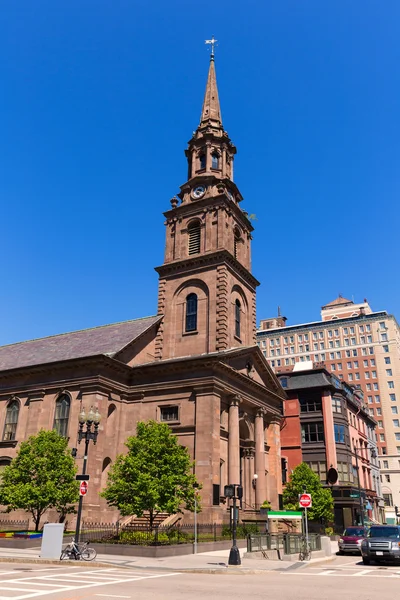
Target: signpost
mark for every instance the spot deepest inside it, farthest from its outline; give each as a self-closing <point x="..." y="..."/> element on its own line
<point x="305" y="501"/>
<point x="83" y="488"/>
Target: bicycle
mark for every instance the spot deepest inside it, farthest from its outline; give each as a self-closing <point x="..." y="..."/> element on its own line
<point x="305" y="550"/>
<point x="74" y="551"/>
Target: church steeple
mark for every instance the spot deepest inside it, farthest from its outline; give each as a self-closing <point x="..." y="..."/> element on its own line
<point x="206" y="288"/>
<point x="211" y="113"/>
<point x="210" y="151"/>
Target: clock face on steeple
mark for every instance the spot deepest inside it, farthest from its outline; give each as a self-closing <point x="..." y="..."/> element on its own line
<point x="198" y="192"/>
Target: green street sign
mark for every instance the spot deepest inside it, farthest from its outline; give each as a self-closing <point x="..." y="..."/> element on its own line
<point x="354" y="495"/>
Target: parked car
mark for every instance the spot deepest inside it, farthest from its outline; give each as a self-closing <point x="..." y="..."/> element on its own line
<point x="351" y="539"/>
<point x="382" y="543"/>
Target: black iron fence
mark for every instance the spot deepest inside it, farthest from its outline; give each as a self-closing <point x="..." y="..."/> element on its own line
<point x="287" y="543"/>
<point x="7" y="526"/>
<point x="140" y="535"/>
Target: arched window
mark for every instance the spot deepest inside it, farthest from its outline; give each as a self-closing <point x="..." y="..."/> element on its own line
<point x="202" y="161"/>
<point x="191" y="313"/>
<point x="237" y="318"/>
<point x="61" y="416"/>
<point x="215" y="160"/>
<point x="194" y="238"/>
<point x="10" y="426"/>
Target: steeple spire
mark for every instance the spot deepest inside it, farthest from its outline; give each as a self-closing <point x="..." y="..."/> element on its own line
<point x="211" y="109"/>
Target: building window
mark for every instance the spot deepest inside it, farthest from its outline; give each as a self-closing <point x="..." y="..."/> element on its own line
<point x="312" y="432"/>
<point x="394" y="410"/>
<point x="169" y="413"/>
<point x="391" y="384"/>
<point x="387" y="477"/>
<point x="61" y="416"/>
<point x="202" y="161"/>
<point x="383" y="450"/>
<point x="319" y="468"/>
<point x="385" y="464"/>
<point x="377" y="399"/>
<point x="396" y="423"/>
<point x="336" y="405"/>
<point x="191" y="313"/>
<point x="387" y="360"/>
<point x="215" y="160"/>
<point x="310" y="402"/>
<point x="382" y="437"/>
<point x="194" y="238"/>
<point x="376" y="386"/>
<point x="384" y="337"/>
<point x="237" y="318"/>
<point x="392" y="397"/>
<point x="339" y="434"/>
<point x="389" y="373"/>
<point x="10" y="425"/>
<point x="343" y="472"/>
<point x="388" y="500"/>
<point x="385" y="348"/>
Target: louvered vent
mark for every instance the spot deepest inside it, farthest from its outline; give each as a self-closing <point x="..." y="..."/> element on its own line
<point x="194" y="239"/>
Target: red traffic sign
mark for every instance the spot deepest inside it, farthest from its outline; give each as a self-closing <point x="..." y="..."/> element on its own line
<point x="305" y="500"/>
<point x="83" y="488"/>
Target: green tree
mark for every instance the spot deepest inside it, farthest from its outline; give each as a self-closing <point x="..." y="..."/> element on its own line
<point x="302" y="478"/>
<point x="154" y="476"/>
<point x="41" y="476"/>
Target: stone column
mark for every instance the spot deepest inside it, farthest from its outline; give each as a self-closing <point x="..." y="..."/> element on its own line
<point x="275" y="469"/>
<point x="234" y="442"/>
<point x="261" y="483"/>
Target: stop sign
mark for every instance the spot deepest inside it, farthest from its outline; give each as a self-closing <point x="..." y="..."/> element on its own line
<point x="305" y="500"/>
<point x="83" y="488"/>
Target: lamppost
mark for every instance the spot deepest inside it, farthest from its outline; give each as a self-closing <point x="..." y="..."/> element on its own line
<point x="236" y="493"/>
<point x="373" y="455"/>
<point x="92" y="420"/>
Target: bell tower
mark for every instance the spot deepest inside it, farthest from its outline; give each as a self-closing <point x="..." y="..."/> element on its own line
<point x="206" y="289"/>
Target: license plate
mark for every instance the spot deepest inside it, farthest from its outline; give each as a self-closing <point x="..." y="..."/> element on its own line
<point x="379" y="553"/>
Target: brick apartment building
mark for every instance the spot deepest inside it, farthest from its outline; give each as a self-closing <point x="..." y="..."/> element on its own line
<point x="360" y="347"/>
<point x="324" y="419"/>
<point x="194" y="365"/>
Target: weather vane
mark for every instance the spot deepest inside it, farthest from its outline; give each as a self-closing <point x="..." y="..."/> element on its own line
<point x="213" y="41"/>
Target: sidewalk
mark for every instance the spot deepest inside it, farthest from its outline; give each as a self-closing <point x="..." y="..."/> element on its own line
<point x="204" y="562"/>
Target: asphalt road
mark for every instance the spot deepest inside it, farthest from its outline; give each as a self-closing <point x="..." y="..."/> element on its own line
<point x="344" y="576"/>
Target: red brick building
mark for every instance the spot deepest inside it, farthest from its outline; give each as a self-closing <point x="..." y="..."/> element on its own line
<point x="326" y="423"/>
<point x="195" y="364"/>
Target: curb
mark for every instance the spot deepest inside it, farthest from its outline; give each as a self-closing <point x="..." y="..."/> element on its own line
<point x="49" y="561"/>
<point x="201" y="570"/>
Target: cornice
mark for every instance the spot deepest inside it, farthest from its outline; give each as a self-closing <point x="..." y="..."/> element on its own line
<point x="211" y="203"/>
<point x="202" y="261"/>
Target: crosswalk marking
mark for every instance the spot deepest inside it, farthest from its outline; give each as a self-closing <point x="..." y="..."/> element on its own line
<point x="40" y="585"/>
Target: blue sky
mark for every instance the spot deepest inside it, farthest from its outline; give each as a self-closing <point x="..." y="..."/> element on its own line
<point x="98" y="100"/>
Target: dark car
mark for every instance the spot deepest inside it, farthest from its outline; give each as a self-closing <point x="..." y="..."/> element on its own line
<point x="351" y="539"/>
<point x="381" y="544"/>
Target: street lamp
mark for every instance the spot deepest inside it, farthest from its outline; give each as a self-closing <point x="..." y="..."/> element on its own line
<point x="236" y="493"/>
<point x="92" y="421"/>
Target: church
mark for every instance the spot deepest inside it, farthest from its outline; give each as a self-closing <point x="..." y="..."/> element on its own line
<point x="195" y="364"/>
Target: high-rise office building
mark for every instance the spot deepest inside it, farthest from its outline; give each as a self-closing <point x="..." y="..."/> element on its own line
<point x="361" y="347"/>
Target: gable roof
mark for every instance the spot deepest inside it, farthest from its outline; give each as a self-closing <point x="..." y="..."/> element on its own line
<point x="106" y="339"/>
